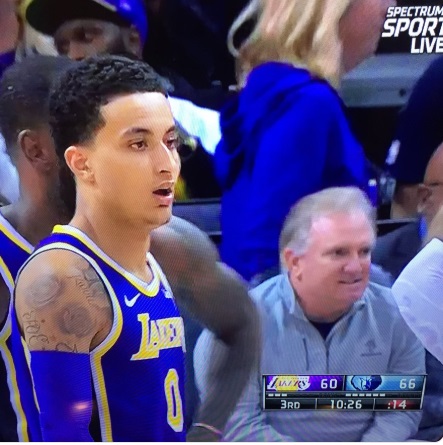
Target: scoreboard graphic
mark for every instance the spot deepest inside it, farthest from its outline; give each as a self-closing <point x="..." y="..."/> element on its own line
<point x="343" y="392"/>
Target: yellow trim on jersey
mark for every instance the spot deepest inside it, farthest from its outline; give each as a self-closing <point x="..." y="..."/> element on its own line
<point x="97" y="354"/>
<point x="150" y="291"/>
<point x="5" y="333"/>
<point x="28" y="362"/>
<point x="22" y="423"/>
<point x="155" y="266"/>
<point x="14" y="237"/>
<point x="6" y="275"/>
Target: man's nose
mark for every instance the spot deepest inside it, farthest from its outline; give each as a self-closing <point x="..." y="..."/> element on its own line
<point x="354" y="265"/>
<point x="79" y="51"/>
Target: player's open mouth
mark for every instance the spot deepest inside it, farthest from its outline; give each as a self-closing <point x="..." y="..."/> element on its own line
<point x="163" y="192"/>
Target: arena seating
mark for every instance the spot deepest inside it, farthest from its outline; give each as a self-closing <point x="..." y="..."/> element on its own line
<point x="205" y="214"/>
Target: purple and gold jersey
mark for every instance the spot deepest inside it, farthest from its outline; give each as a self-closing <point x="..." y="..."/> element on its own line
<point x="17" y="403"/>
<point x="138" y="370"/>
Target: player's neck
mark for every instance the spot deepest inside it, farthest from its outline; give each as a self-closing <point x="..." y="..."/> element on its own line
<point x="32" y="221"/>
<point x="125" y="244"/>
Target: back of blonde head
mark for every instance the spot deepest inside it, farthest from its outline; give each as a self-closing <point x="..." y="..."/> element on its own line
<point x="304" y="33"/>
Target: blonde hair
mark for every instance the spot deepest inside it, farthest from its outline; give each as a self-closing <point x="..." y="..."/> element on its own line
<point x="304" y="33"/>
<point x="298" y="223"/>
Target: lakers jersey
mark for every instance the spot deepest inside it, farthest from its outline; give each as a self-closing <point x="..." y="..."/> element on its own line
<point x="17" y="410"/>
<point x="138" y="370"/>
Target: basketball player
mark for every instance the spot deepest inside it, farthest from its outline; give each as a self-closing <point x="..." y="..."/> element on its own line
<point x="24" y="94"/>
<point x="96" y="305"/>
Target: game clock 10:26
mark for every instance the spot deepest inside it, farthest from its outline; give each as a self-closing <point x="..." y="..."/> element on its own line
<point x="345" y="404"/>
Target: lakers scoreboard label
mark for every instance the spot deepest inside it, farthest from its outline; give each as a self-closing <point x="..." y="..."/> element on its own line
<point x="422" y="24"/>
<point x="343" y="392"/>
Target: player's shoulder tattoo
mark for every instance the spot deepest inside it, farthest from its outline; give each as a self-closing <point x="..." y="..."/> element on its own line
<point x="73" y="301"/>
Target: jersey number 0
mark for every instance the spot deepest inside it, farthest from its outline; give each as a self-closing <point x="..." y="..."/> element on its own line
<point x="174" y="401"/>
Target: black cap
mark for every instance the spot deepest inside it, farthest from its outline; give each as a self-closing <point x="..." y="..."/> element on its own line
<point x="46" y="16"/>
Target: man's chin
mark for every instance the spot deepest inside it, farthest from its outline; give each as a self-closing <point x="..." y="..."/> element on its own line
<point x="355" y="295"/>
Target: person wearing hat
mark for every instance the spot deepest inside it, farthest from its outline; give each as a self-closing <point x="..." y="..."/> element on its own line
<point x="84" y="28"/>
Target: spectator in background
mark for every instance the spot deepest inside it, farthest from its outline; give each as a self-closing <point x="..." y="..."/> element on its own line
<point x="10" y="33"/>
<point x="396" y="249"/>
<point x="9" y="188"/>
<point x="286" y="135"/>
<point x="393" y="252"/>
<point x="420" y="130"/>
<point x="17" y="40"/>
<point x="120" y="26"/>
<point x="82" y="28"/>
<point x="418" y="290"/>
<point x="9" y="38"/>
<point x="322" y="316"/>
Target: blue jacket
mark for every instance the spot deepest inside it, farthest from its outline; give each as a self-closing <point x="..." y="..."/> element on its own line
<point x="283" y="137"/>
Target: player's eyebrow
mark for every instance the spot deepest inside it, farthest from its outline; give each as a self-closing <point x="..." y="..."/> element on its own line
<point x="136" y="130"/>
<point x="172" y="128"/>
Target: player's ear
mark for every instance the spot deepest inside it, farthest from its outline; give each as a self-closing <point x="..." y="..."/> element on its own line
<point x="77" y="160"/>
<point x="33" y="148"/>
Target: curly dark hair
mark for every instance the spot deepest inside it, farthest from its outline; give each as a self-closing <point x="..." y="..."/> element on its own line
<point x="76" y="100"/>
<point x="24" y="95"/>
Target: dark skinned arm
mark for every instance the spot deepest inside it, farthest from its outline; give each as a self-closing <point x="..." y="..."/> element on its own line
<point x="218" y="298"/>
<point x="4" y="301"/>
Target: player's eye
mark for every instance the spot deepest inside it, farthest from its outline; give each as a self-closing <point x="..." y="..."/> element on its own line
<point x="138" y="145"/>
<point x="173" y="142"/>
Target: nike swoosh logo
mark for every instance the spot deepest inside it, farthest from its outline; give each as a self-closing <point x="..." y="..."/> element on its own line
<point x="132" y="301"/>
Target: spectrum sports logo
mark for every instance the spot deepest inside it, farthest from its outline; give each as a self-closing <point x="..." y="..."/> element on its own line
<point x="423" y="24"/>
<point x="288" y="383"/>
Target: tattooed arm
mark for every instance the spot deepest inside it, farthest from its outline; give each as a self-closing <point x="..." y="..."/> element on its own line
<point x="63" y="312"/>
<point x="218" y="298"/>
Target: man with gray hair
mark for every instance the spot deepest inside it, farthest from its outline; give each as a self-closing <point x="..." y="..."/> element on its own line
<point x="321" y="315"/>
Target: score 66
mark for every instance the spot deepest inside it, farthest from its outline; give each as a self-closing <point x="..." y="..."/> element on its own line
<point x="405" y="384"/>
